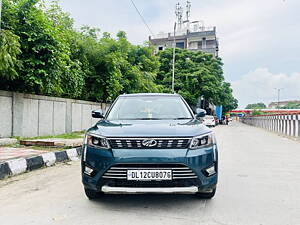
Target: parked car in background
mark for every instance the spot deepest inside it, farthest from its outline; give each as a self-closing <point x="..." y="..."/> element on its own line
<point x="217" y="120"/>
<point x="209" y="121"/>
<point x="149" y="143"/>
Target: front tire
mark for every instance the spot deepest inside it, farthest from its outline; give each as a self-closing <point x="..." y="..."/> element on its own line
<point x="91" y="194"/>
<point x="204" y="195"/>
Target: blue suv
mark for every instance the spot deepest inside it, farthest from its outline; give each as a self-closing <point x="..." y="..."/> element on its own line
<point x="149" y="143"/>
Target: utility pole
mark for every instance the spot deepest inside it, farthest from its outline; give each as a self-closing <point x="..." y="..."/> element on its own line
<point x="278" y="97"/>
<point x="179" y="15"/>
<point x="188" y="10"/>
<point x="174" y="57"/>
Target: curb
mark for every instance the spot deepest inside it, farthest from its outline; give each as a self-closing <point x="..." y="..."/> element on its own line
<point x="22" y="165"/>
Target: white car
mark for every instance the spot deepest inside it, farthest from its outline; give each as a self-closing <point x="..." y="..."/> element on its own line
<point x="209" y="121"/>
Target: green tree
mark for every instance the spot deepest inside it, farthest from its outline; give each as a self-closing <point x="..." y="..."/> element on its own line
<point x="291" y="105"/>
<point x="42" y="53"/>
<point x="226" y="98"/>
<point x="197" y="74"/>
<point x="116" y="66"/>
<point x="259" y="105"/>
<point x="257" y="112"/>
<point x="9" y="51"/>
<point x="45" y="49"/>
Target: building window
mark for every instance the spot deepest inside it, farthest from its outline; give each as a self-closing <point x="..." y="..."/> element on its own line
<point x="210" y="43"/>
<point x="180" y="45"/>
<point x="204" y="42"/>
<point x="193" y="45"/>
<point x="199" y="44"/>
<point x="160" y="48"/>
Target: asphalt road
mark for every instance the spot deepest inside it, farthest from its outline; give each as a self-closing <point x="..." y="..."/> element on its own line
<point x="259" y="184"/>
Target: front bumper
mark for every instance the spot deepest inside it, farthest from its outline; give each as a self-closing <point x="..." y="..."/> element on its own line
<point x="102" y="160"/>
<point x="153" y="190"/>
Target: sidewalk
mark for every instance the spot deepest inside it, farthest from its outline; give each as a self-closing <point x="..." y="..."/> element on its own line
<point x="16" y="159"/>
<point x="8" y="153"/>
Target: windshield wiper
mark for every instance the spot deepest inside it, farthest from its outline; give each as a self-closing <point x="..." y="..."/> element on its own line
<point x="183" y="118"/>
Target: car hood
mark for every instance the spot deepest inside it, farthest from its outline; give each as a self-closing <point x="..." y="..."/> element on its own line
<point x="149" y="128"/>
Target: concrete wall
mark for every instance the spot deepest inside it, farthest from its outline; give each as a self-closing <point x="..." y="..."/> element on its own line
<point x="28" y="115"/>
<point x="284" y="124"/>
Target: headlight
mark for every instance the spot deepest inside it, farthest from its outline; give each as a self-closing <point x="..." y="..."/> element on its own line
<point x="202" y="141"/>
<point x="96" y="141"/>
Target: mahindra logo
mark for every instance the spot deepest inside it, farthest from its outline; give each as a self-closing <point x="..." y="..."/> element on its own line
<point x="149" y="143"/>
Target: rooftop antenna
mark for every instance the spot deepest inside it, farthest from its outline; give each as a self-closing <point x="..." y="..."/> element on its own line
<point x="188" y="10"/>
<point x="179" y="15"/>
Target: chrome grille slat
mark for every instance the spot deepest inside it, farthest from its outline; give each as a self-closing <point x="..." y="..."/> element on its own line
<point x="112" y="177"/>
<point x="116" y="174"/>
<point x="136" y="143"/>
<point x="178" y="171"/>
<point x="147" y="168"/>
<point x="113" y="171"/>
<point x="184" y="174"/>
<point x="190" y="177"/>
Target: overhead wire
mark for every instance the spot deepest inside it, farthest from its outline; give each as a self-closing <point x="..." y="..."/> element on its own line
<point x="144" y="21"/>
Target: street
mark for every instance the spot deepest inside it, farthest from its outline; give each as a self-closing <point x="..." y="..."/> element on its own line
<point x="259" y="183"/>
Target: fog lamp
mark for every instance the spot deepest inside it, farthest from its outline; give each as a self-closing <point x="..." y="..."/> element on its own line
<point x="88" y="170"/>
<point x="210" y="170"/>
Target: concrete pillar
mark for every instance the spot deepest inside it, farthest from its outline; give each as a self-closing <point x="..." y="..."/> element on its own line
<point x="284" y="126"/>
<point x="288" y="127"/>
<point x="281" y="125"/>
<point x="6" y="109"/>
<point x="68" y="120"/>
<point x="17" y="114"/>
<point x="298" y="126"/>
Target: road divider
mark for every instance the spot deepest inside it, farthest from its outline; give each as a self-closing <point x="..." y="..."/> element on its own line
<point x="22" y="165"/>
<point x="288" y="125"/>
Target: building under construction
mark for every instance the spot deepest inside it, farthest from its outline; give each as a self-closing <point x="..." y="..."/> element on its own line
<point x="191" y="35"/>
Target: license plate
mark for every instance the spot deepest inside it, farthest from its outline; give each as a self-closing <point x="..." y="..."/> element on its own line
<point x="147" y="175"/>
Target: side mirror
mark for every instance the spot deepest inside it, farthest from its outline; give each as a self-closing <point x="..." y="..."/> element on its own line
<point x="98" y="113"/>
<point x="200" y="113"/>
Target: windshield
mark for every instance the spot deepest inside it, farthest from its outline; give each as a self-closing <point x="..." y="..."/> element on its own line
<point x="149" y="108"/>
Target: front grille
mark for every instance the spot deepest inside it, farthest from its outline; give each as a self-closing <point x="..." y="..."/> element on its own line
<point x="179" y="171"/>
<point x="159" y="143"/>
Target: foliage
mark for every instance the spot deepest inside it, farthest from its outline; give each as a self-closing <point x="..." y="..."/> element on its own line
<point x="227" y="99"/>
<point x="45" y="49"/>
<point x="73" y="135"/>
<point x="291" y="105"/>
<point x="9" y="50"/>
<point x="259" y="105"/>
<point x="257" y="112"/>
<point x="42" y="53"/>
<point x="116" y="66"/>
<point x="197" y="74"/>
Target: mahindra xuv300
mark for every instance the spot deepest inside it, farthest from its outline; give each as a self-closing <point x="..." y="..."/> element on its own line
<point x="149" y="143"/>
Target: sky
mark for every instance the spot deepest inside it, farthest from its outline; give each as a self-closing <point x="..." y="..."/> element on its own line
<point x="259" y="39"/>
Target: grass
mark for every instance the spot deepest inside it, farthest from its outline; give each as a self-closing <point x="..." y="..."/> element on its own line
<point x="72" y="135"/>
